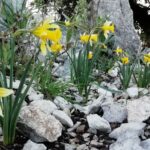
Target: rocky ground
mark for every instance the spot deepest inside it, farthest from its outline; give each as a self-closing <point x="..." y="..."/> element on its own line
<point x="108" y="121"/>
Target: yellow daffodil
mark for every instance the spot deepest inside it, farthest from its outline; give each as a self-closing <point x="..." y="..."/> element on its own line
<point x="5" y="92"/>
<point x="67" y="23"/>
<point x="94" y="37"/>
<point x="125" y="60"/>
<point x="104" y="46"/>
<point x="107" y="28"/>
<point x="147" y="58"/>
<point x="47" y="31"/>
<point x="90" y="55"/>
<point x="89" y="38"/>
<point x="118" y="50"/>
<point x="56" y="47"/>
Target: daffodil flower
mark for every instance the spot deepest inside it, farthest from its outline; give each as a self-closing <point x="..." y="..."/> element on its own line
<point x="107" y="28"/>
<point x="103" y="46"/>
<point x="85" y="38"/>
<point x="56" y="47"/>
<point x="67" y="23"/>
<point x="125" y="60"/>
<point x="90" y="55"/>
<point x="5" y="92"/>
<point x="47" y="31"/>
<point x="147" y="58"/>
<point x="118" y="51"/>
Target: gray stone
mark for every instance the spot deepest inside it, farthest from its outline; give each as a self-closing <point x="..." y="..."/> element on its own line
<point x="63" y="118"/>
<point x="104" y="92"/>
<point x="132" y="92"/>
<point x="128" y="130"/>
<point x="29" y="145"/>
<point x="45" y="126"/>
<point x="82" y="147"/>
<point x="35" y="96"/>
<point x="120" y="13"/>
<point x="70" y="147"/>
<point x="146" y="144"/>
<point x="62" y="103"/>
<point x="128" y="144"/>
<point x="115" y="112"/>
<point x="98" y="123"/>
<point x="138" y="109"/>
<point x="45" y="106"/>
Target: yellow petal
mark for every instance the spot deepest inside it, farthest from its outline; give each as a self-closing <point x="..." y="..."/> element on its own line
<point x="43" y="47"/>
<point x="56" y="47"/>
<point x="5" y="92"/>
<point x="90" y="55"/>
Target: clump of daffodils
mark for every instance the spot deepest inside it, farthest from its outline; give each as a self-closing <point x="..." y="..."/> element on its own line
<point x="107" y="28"/>
<point x="125" y="60"/>
<point x="85" y="38"/>
<point x="47" y="31"/>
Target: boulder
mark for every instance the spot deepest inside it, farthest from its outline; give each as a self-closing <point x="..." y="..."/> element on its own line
<point x="120" y="13"/>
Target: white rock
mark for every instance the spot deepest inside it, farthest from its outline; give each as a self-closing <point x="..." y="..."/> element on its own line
<point x="115" y="112"/>
<point x="35" y="96"/>
<point x="146" y="144"/>
<point x="143" y="91"/>
<point x="62" y="103"/>
<point x="70" y="147"/>
<point x="45" y="106"/>
<point x="63" y="118"/>
<point x="82" y="147"/>
<point x="33" y="146"/>
<point x="128" y="144"/>
<point x="84" y="109"/>
<point x="113" y="72"/>
<point x="138" y="109"/>
<point x="132" y="92"/>
<point x="45" y="126"/>
<point x="133" y="129"/>
<point x="98" y="123"/>
<point x="104" y="92"/>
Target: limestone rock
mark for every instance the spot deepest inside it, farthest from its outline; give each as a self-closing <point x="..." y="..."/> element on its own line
<point x="120" y="13"/>
<point x="128" y="130"/>
<point x="45" y="106"/>
<point x="128" y="144"/>
<point x="138" y="109"/>
<point x="34" y="146"/>
<point x="62" y="103"/>
<point x="115" y="112"/>
<point x="146" y="144"/>
<point x="44" y="126"/>
<point x="98" y="123"/>
<point x="63" y="118"/>
<point x="132" y="92"/>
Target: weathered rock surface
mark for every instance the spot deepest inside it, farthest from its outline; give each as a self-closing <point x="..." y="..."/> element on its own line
<point x="146" y="144"/>
<point x="63" y="118"/>
<point x="120" y="13"/>
<point x="133" y="92"/>
<point x="34" y="146"/>
<point x="128" y="130"/>
<point x="62" y="103"/>
<point x="45" y="106"/>
<point x="138" y="109"/>
<point x="43" y="125"/>
<point x="98" y="123"/>
<point x="128" y="144"/>
<point x="115" y="112"/>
